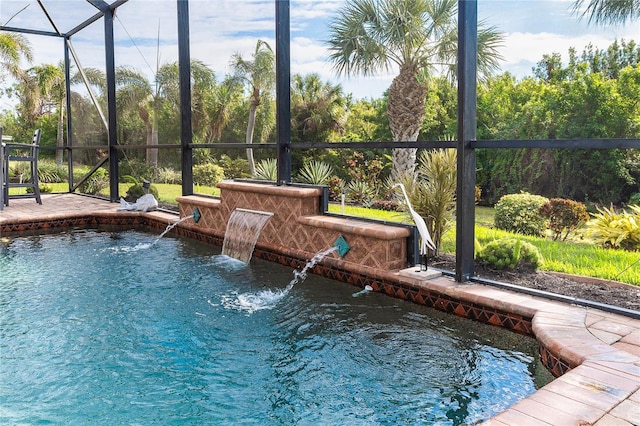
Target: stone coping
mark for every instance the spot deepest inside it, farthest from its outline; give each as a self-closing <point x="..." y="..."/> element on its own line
<point x="199" y="200"/>
<point x="357" y="227"/>
<point x="269" y="188"/>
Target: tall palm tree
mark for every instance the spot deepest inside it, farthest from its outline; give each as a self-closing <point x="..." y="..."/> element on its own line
<point x="608" y="11"/>
<point x="259" y="75"/>
<point x="14" y="48"/>
<point x="418" y="37"/>
<point x="135" y="91"/>
<point x="50" y="88"/>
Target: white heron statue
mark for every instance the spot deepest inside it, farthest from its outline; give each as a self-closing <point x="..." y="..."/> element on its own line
<point x="425" y="237"/>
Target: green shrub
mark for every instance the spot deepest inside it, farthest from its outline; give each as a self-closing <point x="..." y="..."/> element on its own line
<point x="510" y="253"/>
<point x="564" y="216"/>
<point x="133" y="167"/>
<point x="208" y="174"/>
<point x="520" y="213"/>
<point x="137" y="190"/>
<point x="267" y="169"/>
<point x="234" y="168"/>
<point x="167" y="175"/>
<point x="50" y="172"/>
<point x="612" y="229"/>
<point x="95" y="183"/>
<point x="634" y="199"/>
<point x="360" y="192"/>
<point x="387" y="205"/>
<point x="315" y="173"/>
<point x="336" y="188"/>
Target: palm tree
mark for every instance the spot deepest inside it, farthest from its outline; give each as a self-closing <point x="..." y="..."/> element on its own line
<point x="14" y="47"/>
<point x="51" y="89"/>
<point x="317" y="108"/>
<point x="418" y="37"/>
<point x="43" y="90"/>
<point x="608" y="11"/>
<point x="259" y="75"/>
<point x="134" y="90"/>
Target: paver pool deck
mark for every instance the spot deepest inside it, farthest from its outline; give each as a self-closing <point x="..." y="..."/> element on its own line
<point x="599" y="350"/>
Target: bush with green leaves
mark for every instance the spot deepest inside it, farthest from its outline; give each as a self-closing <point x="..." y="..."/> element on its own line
<point x="564" y="216"/>
<point x="386" y="205"/>
<point x="234" y="168"/>
<point x="267" y="169"/>
<point x="615" y="229"/>
<point x="510" y="253"/>
<point x="520" y="213"/>
<point x="634" y="199"/>
<point x="137" y="190"/>
<point x="315" y="173"/>
<point x="167" y="175"/>
<point x="336" y="188"/>
<point x="95" y="183"/>
<point x="50" y="172"/>
<point x="133" y="167"/>
<point x="360" y="192"/>
<point x="208" y="174"/>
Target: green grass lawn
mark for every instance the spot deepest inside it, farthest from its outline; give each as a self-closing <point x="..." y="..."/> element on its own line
<point x="571" y="257"/>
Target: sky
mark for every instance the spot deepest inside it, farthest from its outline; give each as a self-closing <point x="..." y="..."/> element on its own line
<point x="146" y="34"/>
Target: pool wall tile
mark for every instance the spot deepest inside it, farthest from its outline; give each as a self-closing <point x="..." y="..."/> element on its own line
<point x="297" y="224"/>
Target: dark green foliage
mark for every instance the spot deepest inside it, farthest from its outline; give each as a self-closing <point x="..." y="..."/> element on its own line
<point x="49" y="172"/>
<point x="95" y="183"/>
<point x="336" y="188"/>
<point x="233" y="168"/>
<point x="564" y="216"/>
<point x="134" y="168"/>
<point x="594" y="96"/>
<point x="521" y="213"/>
<point x="388" y="205"/>
<point x="634" y="199"/>
<point x="360" y="192"/>
<point x="208" y="174"/>
<point x="510" y="253"/>
<point x="137" y="190"/>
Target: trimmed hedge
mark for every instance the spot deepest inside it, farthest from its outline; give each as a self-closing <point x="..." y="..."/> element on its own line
<point x="520" y="213"/>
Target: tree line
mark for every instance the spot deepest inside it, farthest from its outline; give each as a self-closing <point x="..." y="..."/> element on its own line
<point x="595" y="95"/>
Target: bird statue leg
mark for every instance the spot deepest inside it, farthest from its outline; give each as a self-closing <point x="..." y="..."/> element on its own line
<point x="423" y="261"/>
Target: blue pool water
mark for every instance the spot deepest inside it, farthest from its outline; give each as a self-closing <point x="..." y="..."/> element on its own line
<point x="104" y="328"/>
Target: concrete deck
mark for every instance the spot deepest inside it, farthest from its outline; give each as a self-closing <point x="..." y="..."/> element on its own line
<point x="600" y="350"/>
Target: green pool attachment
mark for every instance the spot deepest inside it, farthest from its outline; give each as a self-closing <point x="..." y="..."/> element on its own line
<point x="342" y="246"/>
<point x="196" y="215"/>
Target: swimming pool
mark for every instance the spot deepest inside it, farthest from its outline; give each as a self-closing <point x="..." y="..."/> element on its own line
<point x="110" y="328"/>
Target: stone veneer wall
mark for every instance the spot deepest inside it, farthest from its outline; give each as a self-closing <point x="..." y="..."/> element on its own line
<point x="297" y="224"/>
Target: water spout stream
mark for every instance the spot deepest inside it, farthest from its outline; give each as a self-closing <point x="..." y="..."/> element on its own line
<point x="171" y="226"/>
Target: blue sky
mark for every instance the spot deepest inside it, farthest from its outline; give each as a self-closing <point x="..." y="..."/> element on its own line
<point x="220" y="28"/>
